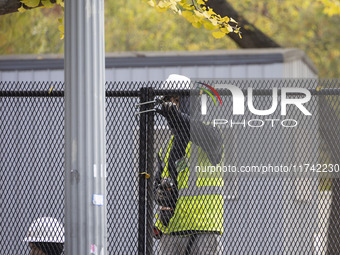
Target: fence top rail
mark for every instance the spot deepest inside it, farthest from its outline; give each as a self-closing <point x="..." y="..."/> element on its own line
<point x="159" y="92"/>
<point x="36" y="93"/>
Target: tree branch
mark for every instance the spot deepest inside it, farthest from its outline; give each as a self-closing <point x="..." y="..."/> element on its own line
<point x="10" y="6"/>
<point x="252" y="37"/>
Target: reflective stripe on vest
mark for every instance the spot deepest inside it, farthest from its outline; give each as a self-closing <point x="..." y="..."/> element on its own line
<point x="193" y="179"/>
<point x="200" y="205"/>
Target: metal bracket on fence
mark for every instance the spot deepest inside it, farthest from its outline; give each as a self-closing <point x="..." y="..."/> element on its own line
<point x="149" y="102"/>
<point x="151" y="110"/>
<point x="145" y="103"/>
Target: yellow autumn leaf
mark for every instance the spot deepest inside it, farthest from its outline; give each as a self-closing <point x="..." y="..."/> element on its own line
<point x="174" y="8"/>
<point x="224" y="30"/>
<point x="211" y="12"/>
<point x="31" y="3"/>
<point x="225" y="19"/>
<point x="206" y="14"/>
<point x="230" y="28"/>
<point x="197" y="24"/>
<point x="47" y="3"/>
<point x="187" y="6"/>
<point x="21" y="9"/>
<point x="208" y="25"/>
<point x="61" y="29"/>
<point x="160" y="9"/>
<point x="213" y="21"/>
<point x="218" y="34"/>
<point x="227" y="29"/>
<point x="60" y="2"/>
<point x="187" y="14"/>
<point x="164" y="4"/>
<point x="190" y="16"/>
<point x="232" y="20"/>
<point x="198" y="14"/>
<point x="151" y="3"/>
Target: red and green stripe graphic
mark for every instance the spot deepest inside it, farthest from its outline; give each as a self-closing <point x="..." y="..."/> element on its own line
<point x="209" y="93"/>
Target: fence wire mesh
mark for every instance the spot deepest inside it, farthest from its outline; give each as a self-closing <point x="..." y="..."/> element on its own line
<point x="241" y="183"/>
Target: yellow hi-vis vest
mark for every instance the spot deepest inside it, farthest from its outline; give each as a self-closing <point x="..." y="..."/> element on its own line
<point x="200" y="203"/>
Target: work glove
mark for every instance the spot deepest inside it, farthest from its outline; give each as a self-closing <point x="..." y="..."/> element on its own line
<point x="166" y="196"/>
<point x="166" y="193"/>
<point x="168" y="109"/>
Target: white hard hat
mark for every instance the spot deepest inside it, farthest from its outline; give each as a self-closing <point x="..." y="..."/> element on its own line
<point x="177" y="81"/>
<point x="47" y="230"/>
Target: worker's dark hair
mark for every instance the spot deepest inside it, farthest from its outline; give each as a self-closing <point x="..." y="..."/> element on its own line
<point x="50" y="248"/>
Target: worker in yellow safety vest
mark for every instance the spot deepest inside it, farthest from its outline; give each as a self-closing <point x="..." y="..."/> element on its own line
<point x="188" y="186"/>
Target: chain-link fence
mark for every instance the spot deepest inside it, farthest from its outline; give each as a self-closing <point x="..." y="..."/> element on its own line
<point x="258" y="180"/>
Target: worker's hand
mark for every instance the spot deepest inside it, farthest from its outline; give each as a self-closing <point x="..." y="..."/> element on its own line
<point x="166" y="193"/>
<point x="166" y="197"/>
<point x="168" y="109"/>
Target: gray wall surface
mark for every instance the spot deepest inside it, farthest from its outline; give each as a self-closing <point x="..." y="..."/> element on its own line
<point x="156" y="66"/>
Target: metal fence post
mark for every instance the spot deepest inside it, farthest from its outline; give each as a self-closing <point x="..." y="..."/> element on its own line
<point x="142" y="169"/>
<point x="146" y="159"/>
<point x="85" y="169"/>
<point x="150" y="170"/>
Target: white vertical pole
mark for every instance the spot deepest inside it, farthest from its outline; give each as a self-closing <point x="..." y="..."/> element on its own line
<point x="85" y="170"/>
